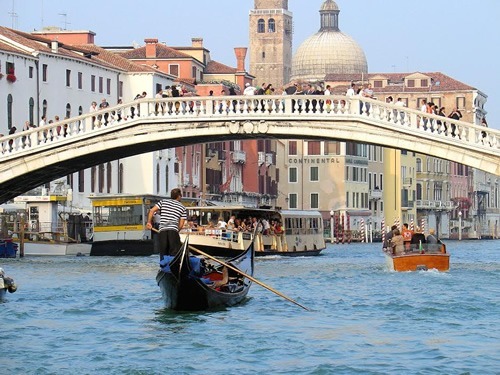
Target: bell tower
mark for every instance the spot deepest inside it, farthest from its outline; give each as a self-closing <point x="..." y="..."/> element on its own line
<point x="271" y="30"/>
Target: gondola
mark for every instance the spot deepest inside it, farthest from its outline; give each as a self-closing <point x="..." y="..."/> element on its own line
<point x="190" y="283"/>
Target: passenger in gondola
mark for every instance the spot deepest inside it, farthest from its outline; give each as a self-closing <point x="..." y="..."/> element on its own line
<point x="225" y="279"/>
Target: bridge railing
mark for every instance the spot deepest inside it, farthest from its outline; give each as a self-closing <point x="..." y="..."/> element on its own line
<point x="267" y="107"/>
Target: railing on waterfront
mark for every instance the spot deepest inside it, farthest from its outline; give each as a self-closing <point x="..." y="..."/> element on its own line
<point x="281" y="107"/>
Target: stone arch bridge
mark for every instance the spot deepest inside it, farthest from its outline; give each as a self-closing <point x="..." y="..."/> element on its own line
<point x="31" y="158"/>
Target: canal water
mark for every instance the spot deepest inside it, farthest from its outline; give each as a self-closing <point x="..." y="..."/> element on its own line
<point x="93" y="315"/>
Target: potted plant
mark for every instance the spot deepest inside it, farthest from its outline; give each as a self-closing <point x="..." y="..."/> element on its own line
<point x="11" y="77"/>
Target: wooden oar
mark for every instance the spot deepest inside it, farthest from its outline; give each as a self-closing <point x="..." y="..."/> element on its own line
<point x="247" y="276"/>
<point x="242" y="273"/>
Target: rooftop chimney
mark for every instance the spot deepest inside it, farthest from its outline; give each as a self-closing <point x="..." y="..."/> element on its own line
<point x="241" y="54"/>
<point x="197" y="42"/>
<point x="54" y="46"/>
<point x="151" y="48"/>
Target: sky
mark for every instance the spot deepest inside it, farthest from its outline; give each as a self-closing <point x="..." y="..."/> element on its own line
<point x="459" y="38"/>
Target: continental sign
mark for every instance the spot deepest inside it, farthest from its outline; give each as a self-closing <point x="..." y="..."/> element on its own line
<point x="314" y="161"/>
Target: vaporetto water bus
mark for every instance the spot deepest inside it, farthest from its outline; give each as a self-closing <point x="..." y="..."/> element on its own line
<point x="218" y="231"/>
<point x="119" y="224"/>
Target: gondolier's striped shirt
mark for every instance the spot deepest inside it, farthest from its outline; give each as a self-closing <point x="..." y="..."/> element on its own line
<point x="171" y="211"/>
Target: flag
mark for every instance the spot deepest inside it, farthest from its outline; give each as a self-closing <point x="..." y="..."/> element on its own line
<point x="225" y="186"/>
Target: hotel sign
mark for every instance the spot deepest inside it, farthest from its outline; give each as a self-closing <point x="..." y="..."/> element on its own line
<point x="352" y="161"/>
<point x="313" y="160"/>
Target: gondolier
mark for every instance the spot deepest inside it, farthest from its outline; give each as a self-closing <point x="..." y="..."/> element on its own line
<point x="173" y="215"/>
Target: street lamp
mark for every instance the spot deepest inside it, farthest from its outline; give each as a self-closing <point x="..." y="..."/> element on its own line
<point x="460" y="225"/>
<point x="331" y="226"/>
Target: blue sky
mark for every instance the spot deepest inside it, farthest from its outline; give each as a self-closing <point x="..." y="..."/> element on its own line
<point x="457" y="37"/>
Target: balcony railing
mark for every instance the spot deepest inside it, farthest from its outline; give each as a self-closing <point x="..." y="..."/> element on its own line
<point x="407" y="204"/>
<point x="239" y="157"/>
<point x="375" y="194"/>
<point x="262" y="157"/>
<point x="482" y="187"/>
<point x="437" y="205"/>
<point x="269" y="159"/>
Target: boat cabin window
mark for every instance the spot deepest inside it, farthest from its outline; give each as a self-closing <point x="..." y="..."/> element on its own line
<point x="117" y="215"/>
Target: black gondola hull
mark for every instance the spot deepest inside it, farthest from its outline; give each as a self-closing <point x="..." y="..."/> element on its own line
<point x="183" y="292"/>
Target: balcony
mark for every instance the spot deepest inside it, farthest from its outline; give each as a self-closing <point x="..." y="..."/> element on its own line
<point x="196" y="181"/>
<point x="239" y="157"/>
<point x="405" y="204"/>
<point x="222" y="155"/>
<point x="262" y="157"/>
<point x="435" y="205"/>
<point x="269" y="159"/>
<point x="375" y="194"/>
<point x="481" y="187"/>
<point x="210" y="153"/>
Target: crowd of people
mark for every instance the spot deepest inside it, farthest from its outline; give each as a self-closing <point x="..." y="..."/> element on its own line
<point x="407" y="240"/>
<point x="233" y="224"/>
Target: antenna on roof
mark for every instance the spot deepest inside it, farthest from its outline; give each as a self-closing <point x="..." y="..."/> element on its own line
<point x="13" y="15"/>
<point x="66" y="23"/>
<point x="42" y="14"/>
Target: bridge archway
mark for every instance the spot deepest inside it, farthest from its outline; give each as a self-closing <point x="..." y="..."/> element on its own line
<point x="40" y="155"/>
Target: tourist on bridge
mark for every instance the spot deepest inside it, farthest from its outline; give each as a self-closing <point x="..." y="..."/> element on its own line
<point x="351" y="91"/>
<point x="455" y="115"/>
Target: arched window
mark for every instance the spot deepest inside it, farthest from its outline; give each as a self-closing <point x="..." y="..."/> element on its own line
<point x="261" y="26"/>
<point x="32" y="111"/>
<point x="44" y="108"/>
<point x="9" y="111"/>
<point x="68" y="110"/>
<point x="109" y="176"/>
<point x="419" y="192"/>
<point x="80" y="110"/>
<point x="419" y="165"/>
<point x="271" y="26"/>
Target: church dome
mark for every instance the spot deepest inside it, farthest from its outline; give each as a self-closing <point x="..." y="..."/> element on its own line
<point x="329" y="51"/>
<point x="329" y="5"/>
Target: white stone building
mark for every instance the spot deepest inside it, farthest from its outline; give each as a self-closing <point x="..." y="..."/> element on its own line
<point x="58" y="79"/>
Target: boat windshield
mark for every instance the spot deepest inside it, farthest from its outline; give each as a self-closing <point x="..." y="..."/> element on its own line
<point x="118" y="215"/>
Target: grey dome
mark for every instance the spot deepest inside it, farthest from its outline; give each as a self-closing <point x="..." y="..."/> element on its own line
<point x="329" y="5"/>
<point x="329" y="51"/>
